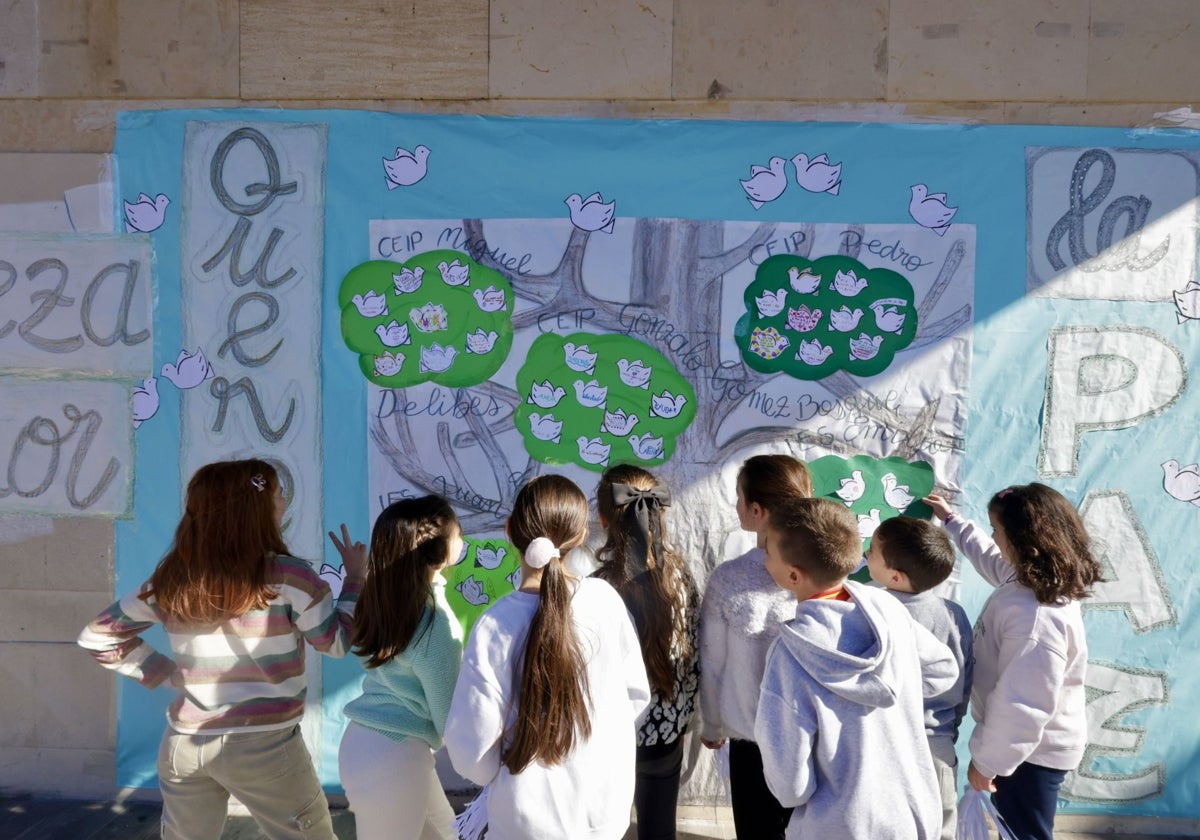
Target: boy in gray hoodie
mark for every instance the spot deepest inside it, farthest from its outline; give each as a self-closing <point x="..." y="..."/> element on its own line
<point x="840" y="719"/>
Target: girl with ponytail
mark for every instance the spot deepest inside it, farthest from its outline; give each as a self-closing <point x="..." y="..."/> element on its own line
<point x="552" y="687"/>
<point x="662" y="598"/>
<point x="412" y="645"/>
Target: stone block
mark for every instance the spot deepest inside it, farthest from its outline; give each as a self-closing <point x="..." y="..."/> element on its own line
<point x="580" y="49"/>
<point x="307" y="49"/>
<point x="763" y="49"/>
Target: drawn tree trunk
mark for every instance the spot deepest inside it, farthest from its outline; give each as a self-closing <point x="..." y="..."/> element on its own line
<point x="676" y="287"/>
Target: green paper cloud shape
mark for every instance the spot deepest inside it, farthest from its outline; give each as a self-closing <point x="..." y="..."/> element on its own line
<point x="439" y="317"/>
<point x="596" y="400"/>
<point x="812" y="318"/>
<point x="840" y="479"/>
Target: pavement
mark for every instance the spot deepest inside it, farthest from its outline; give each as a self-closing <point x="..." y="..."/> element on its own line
<point x="37" y="818"/>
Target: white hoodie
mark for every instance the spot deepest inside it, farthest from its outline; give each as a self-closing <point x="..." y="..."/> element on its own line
<point x="588" y="795"/>
<point x="840" y="719"/>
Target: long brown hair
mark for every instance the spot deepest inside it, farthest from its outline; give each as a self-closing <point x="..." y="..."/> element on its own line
<point x="225" y="545"/>
<point x="552" y="709"/>
<point x="659" y="597"/>
<point x="410" y="539"/>
<point x="1053" y="555"/>
<point x="767" y="480"/>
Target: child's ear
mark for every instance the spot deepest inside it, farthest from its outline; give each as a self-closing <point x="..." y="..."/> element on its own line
<point x="900" y="579"/>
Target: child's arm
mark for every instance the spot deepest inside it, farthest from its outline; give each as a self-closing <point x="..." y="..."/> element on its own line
<point x="113" y="640"/>
<point x="328" y="625"/>
<point x="437" y="665"/>
<point x="1031" y="677"/>
<point x="978" y="547"/>
<point x="785" y="730"/>
<point x="475" y="723"/>
<point x="713" y="652"/>
<point x="939" y="668"/>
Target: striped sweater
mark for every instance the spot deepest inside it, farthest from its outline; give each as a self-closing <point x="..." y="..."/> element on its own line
<point x="246" y="673"/>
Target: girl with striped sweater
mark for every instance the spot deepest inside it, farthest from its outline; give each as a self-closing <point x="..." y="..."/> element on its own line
<point x="237" y="609"/>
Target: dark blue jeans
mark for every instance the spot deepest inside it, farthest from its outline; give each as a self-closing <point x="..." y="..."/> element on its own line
<point x="757" y="814"/>
<point x="1028" y="800"/>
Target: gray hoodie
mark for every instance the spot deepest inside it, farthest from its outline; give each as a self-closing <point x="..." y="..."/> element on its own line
<point x="840" y="719"/>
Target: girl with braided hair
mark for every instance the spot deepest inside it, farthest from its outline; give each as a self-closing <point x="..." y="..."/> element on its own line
<point x="412" y="644"/>
<point x="551" y="690"/>
<point x="663" y="600"/>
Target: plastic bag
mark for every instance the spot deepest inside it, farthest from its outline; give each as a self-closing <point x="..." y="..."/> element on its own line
<point x="721" y="762"/>
<point x="974" y="810"/>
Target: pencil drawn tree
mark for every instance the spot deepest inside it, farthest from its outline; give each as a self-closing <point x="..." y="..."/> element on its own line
<point x="674" y="305"/>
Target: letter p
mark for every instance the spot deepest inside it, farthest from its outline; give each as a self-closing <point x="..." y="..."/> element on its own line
<point x="1100" y="378"/>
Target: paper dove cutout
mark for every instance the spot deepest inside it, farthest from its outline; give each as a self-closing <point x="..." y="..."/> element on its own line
<point x="852" y="488"/>
<point x="189" y="370"/>
<point x="332" y="575"/>
<point x="765" y="183"/>
<point x="408" y="280"/>
<point x="146" y="214"/>
<point x="590" y="394"/>
<point x="591" y="213"/>
<point x="1187" y="302"/>
<point x="618" y="422"/>
<point x="647" y="448"/>
<point x="865" y="346"/>
<point x="1182" y="483"/>
<point x="394" y="334"/>
<point x="868" y="524"/>
<point x="930" y="210"/>
<point x="435" y="358"/>
<point x="388" y="364"/>
<point x="545" y="427"/>
<point x="491" y="299"/>
<point x="666" y="404"/>
<point x="472" y="591"/>
<point x="804" y="282"/>
<point x="888" y="318"/>
<point x="490" y="558"/>
<point x="578" y="358"/>
<point x="592" y="450"/>
<point x="371" y="306"/>
<point x="768" y="343"/>
<point x="145" y="401"/>
<point x="804" y="319"/>
<point x="843" y="320"/>
<point x="848" y="284"/>
<point x="545" y="395"/>
<point x="818" y="175"/>
<point x="480" y="342"/>
<point x="406" y="168"/>
<point x="634" y="374"/>
<point x="813" y="352"/>
<point x="896" y="495"/>
<point x="771" y="303"/>
<point x="455" y="274"/>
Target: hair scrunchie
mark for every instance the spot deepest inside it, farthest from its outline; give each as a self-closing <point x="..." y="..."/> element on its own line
<point x="540" y="552"/>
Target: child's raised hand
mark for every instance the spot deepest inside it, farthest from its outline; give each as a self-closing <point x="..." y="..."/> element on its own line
<point x="940" y="507"/>
<point x="354" y="554"/>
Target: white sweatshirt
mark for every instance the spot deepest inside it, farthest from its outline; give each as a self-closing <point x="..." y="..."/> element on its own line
<point x="588" y="796"/>
<point x="1028" y="698"/>
<point x="742" y="613"/>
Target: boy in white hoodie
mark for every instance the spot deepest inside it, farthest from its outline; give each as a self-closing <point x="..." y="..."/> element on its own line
<point x="840" y="719"/>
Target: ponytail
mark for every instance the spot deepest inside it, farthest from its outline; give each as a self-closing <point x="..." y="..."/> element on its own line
<point x="552" y="707"/>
